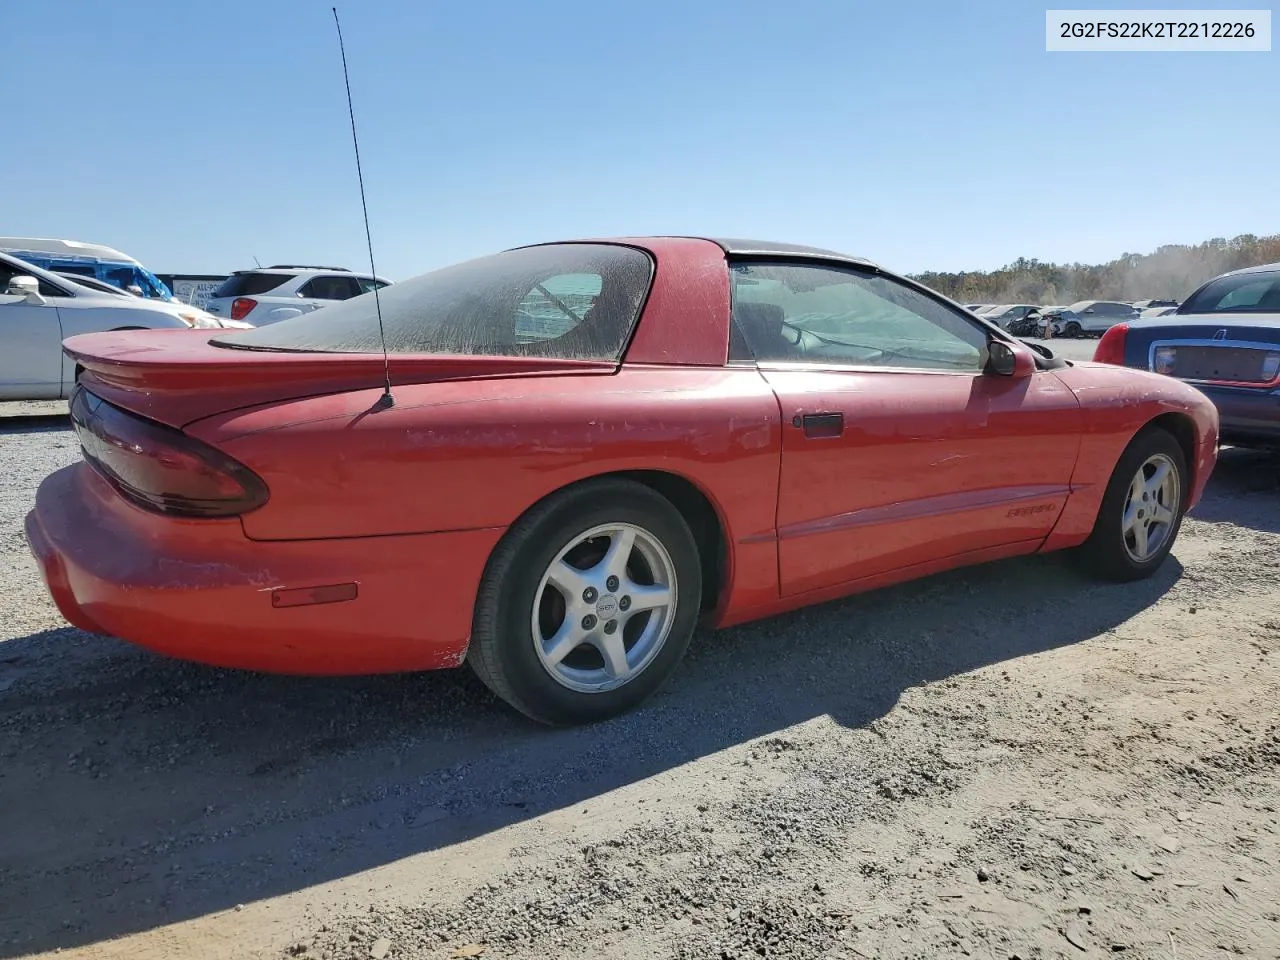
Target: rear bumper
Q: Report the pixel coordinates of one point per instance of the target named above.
(1244, 413)
(200, 590)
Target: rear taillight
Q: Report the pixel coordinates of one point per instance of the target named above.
(1111, 346)
(241, 307)
(159, 468)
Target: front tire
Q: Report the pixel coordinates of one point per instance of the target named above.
(588, 603)
(1072, 330)
(1141, 511)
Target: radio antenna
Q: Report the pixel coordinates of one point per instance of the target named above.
(386, 400)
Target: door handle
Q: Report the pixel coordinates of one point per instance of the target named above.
(818, 425)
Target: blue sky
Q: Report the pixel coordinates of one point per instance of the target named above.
(924, 135)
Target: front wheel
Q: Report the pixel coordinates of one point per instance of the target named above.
(588, 604)
(1072, 329)
(1141, 510)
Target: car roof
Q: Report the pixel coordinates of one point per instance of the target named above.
(64, 248)
(731, 247)
(290, 271)
(751, 248)
(286, 271)
(1259, 268)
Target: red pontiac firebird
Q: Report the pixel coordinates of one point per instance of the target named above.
(576, 451)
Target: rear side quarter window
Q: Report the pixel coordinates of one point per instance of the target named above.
(249, 284)
(561, 300)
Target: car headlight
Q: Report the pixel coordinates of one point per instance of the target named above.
(197, 319)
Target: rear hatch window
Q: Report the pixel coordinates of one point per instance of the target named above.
(249, 284)
(563, 300)
(1243, 293)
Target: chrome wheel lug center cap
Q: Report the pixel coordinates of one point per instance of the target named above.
(607, 607)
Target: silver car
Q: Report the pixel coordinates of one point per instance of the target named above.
(38, 310)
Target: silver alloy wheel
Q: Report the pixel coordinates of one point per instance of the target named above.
(1151, 507)
(604, 607)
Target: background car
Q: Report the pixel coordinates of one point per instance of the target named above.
(1141, 305)
(1094, 317)
(271, 294)
(685, 429)
(1225, 340)
(191, 316)
(1028, 326)
(1005, 313)
(92, 260)
(39, 309)
(1062, 320)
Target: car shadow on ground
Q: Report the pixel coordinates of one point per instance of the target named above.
(1243, 490)
(34, 422)
(140, 791)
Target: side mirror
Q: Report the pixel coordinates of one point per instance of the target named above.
(1005, 359)
(134, 289)
(27, 287)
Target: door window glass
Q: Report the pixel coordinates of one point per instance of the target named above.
(803, 313)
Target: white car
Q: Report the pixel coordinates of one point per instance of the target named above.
(271, 294)
(38, 310)
(191, 316)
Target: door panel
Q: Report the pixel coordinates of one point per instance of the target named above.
(924, 465)
(30, 350)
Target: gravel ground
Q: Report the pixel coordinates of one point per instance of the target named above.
(1003, 761)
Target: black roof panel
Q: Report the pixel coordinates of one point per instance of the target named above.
(739, 247)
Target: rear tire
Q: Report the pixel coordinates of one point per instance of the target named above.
(588, 604)
(1141, 511)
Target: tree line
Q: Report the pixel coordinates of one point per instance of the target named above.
(1171, 272)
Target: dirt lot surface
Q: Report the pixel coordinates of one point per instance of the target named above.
(1005, 761)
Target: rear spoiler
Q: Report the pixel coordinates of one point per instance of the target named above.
(177, 376)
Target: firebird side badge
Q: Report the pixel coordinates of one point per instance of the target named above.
(1029, 511)
(1221, 334)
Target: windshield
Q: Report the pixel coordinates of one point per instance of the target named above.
(565, 300)
(1243, 293)
(126, 275)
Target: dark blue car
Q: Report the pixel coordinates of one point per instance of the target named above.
(1224, 340)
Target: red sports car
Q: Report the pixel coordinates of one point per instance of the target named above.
(574, 452)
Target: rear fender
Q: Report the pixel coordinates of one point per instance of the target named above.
(478, 454)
